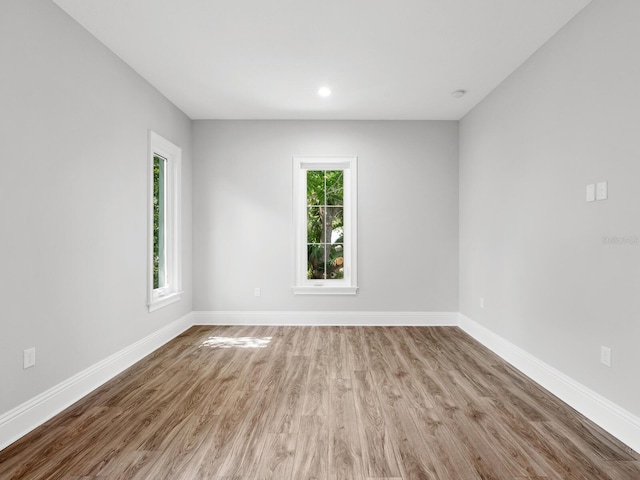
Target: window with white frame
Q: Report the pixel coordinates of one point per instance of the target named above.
(325, 205)
(165, 266)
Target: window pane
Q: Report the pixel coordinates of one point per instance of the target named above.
(335, 262)
(315, 223)
(333, 222)
(159, 257)
(315, 187)
(316, 260)
(334, 187)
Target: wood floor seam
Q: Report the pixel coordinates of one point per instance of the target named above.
(320, 403)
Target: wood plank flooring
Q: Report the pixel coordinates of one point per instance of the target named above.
(323, 403)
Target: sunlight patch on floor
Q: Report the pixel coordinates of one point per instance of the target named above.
(236, 342)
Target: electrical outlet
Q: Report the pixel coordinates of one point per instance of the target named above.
(29, 357)
(256, 291)
(605, 356)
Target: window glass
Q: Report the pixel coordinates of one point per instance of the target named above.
(159, 211)
(325, 224)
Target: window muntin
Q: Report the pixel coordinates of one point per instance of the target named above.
(326, 225)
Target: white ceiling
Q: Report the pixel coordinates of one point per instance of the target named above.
(266, 59)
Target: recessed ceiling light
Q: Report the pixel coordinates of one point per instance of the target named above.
(324, 91)
(458, 93)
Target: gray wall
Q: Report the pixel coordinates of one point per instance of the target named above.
(73, 199)
(408, 213)
(529, 243)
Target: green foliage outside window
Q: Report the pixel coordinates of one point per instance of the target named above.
(325, 224)
(158, 221)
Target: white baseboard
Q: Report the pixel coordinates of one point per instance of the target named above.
(33, 413)
(619, 422)
(326, 318)
(614, 419)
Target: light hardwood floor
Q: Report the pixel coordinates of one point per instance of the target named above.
(325, 403)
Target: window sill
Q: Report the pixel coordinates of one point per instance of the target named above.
(165, 300)
(324, 290)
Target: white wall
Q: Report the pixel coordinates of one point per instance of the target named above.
(408, 213)
(73, 199)
(529, 243)
(73, 202)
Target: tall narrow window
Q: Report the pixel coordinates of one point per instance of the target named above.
(159, 234)
(326, 225)
(165, 276)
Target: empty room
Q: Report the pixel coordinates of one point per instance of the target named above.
(347, 240)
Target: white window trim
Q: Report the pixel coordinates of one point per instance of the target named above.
(348, 285)
(161, 297)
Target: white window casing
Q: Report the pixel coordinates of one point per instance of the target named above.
(347, 285)
(171, 264)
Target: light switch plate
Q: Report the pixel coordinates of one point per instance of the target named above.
(601, 191)
(591, 192)
(29, 358)
(605, 356)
